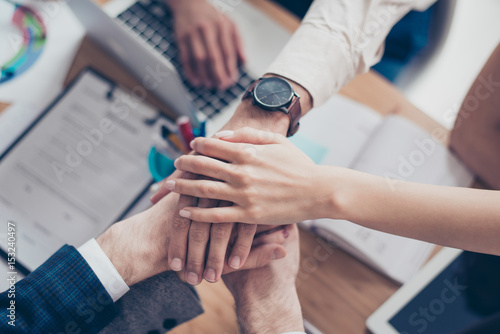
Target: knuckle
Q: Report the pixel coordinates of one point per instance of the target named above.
(246, 230)
(253, 213)
(249, 192)
(204, 27)
(198, 236)
(219, 217)
(220, 232)
(215, 261)
(179, 224)
(195, 265)
(207, 189)
(242, 248)
(176, 250)
(200, 57)
(197, 164)
(246, 179)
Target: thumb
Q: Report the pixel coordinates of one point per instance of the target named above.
(259, 257)
(250, 136)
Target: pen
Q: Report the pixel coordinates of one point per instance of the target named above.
(172, 137)
(186, 131)
(165, 148)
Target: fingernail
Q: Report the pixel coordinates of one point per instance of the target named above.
(191, 144)
(210, 275)
(235, 262)
(185, 213)
(176, 162)
(192, 278)
(170, 185)
(154, 188)
(224, 134)
(278, 254)
(176, 264)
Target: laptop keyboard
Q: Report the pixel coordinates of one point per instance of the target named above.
(153, 22)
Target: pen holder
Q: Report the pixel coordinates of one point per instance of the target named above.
(160, 165)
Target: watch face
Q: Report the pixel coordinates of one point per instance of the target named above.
(273, 92)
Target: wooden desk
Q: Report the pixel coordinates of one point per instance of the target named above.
(337, 292)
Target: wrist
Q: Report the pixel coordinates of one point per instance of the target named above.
(135, 249)
(334, 186)
(107, 241)
(278, 311)
(248, 114)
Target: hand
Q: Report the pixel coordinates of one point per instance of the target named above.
(201, 249)
(209, 44)
(137, 246)
(245, 115)
(272, 182)
(249, 115)
(266, 298)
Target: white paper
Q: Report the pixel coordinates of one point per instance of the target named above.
(400, 150)
(76, 171)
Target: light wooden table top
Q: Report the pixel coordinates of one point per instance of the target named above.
(337, 292)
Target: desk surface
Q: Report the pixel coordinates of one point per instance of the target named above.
(337, 293)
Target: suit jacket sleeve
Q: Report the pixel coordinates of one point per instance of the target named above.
(62, 295)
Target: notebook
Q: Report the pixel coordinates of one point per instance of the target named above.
(347, 134)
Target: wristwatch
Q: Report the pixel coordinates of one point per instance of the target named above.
(276, 94)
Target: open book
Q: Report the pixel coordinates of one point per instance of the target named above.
(348, 134)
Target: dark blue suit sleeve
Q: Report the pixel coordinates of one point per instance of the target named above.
(62, 296)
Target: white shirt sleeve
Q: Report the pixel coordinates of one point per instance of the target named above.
(104, 269)
(337, 40)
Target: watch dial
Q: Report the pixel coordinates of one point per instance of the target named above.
(273, 92)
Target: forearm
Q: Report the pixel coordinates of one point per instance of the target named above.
(455, 217)
(277, 312)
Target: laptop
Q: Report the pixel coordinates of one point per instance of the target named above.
(140, 35)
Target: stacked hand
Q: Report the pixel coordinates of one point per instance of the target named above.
(137, 246)
(256, 168)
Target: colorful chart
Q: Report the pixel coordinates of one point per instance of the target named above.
(34, 38)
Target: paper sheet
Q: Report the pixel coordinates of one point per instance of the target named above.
(77, 170)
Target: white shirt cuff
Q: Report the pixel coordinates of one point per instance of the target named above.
(322, 66)
(104, 269)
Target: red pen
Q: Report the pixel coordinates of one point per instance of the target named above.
(186, 131)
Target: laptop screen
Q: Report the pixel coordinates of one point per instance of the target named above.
(463, 298)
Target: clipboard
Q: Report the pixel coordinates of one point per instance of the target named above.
(90, 192)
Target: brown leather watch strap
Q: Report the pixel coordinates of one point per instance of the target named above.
(294, 112)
